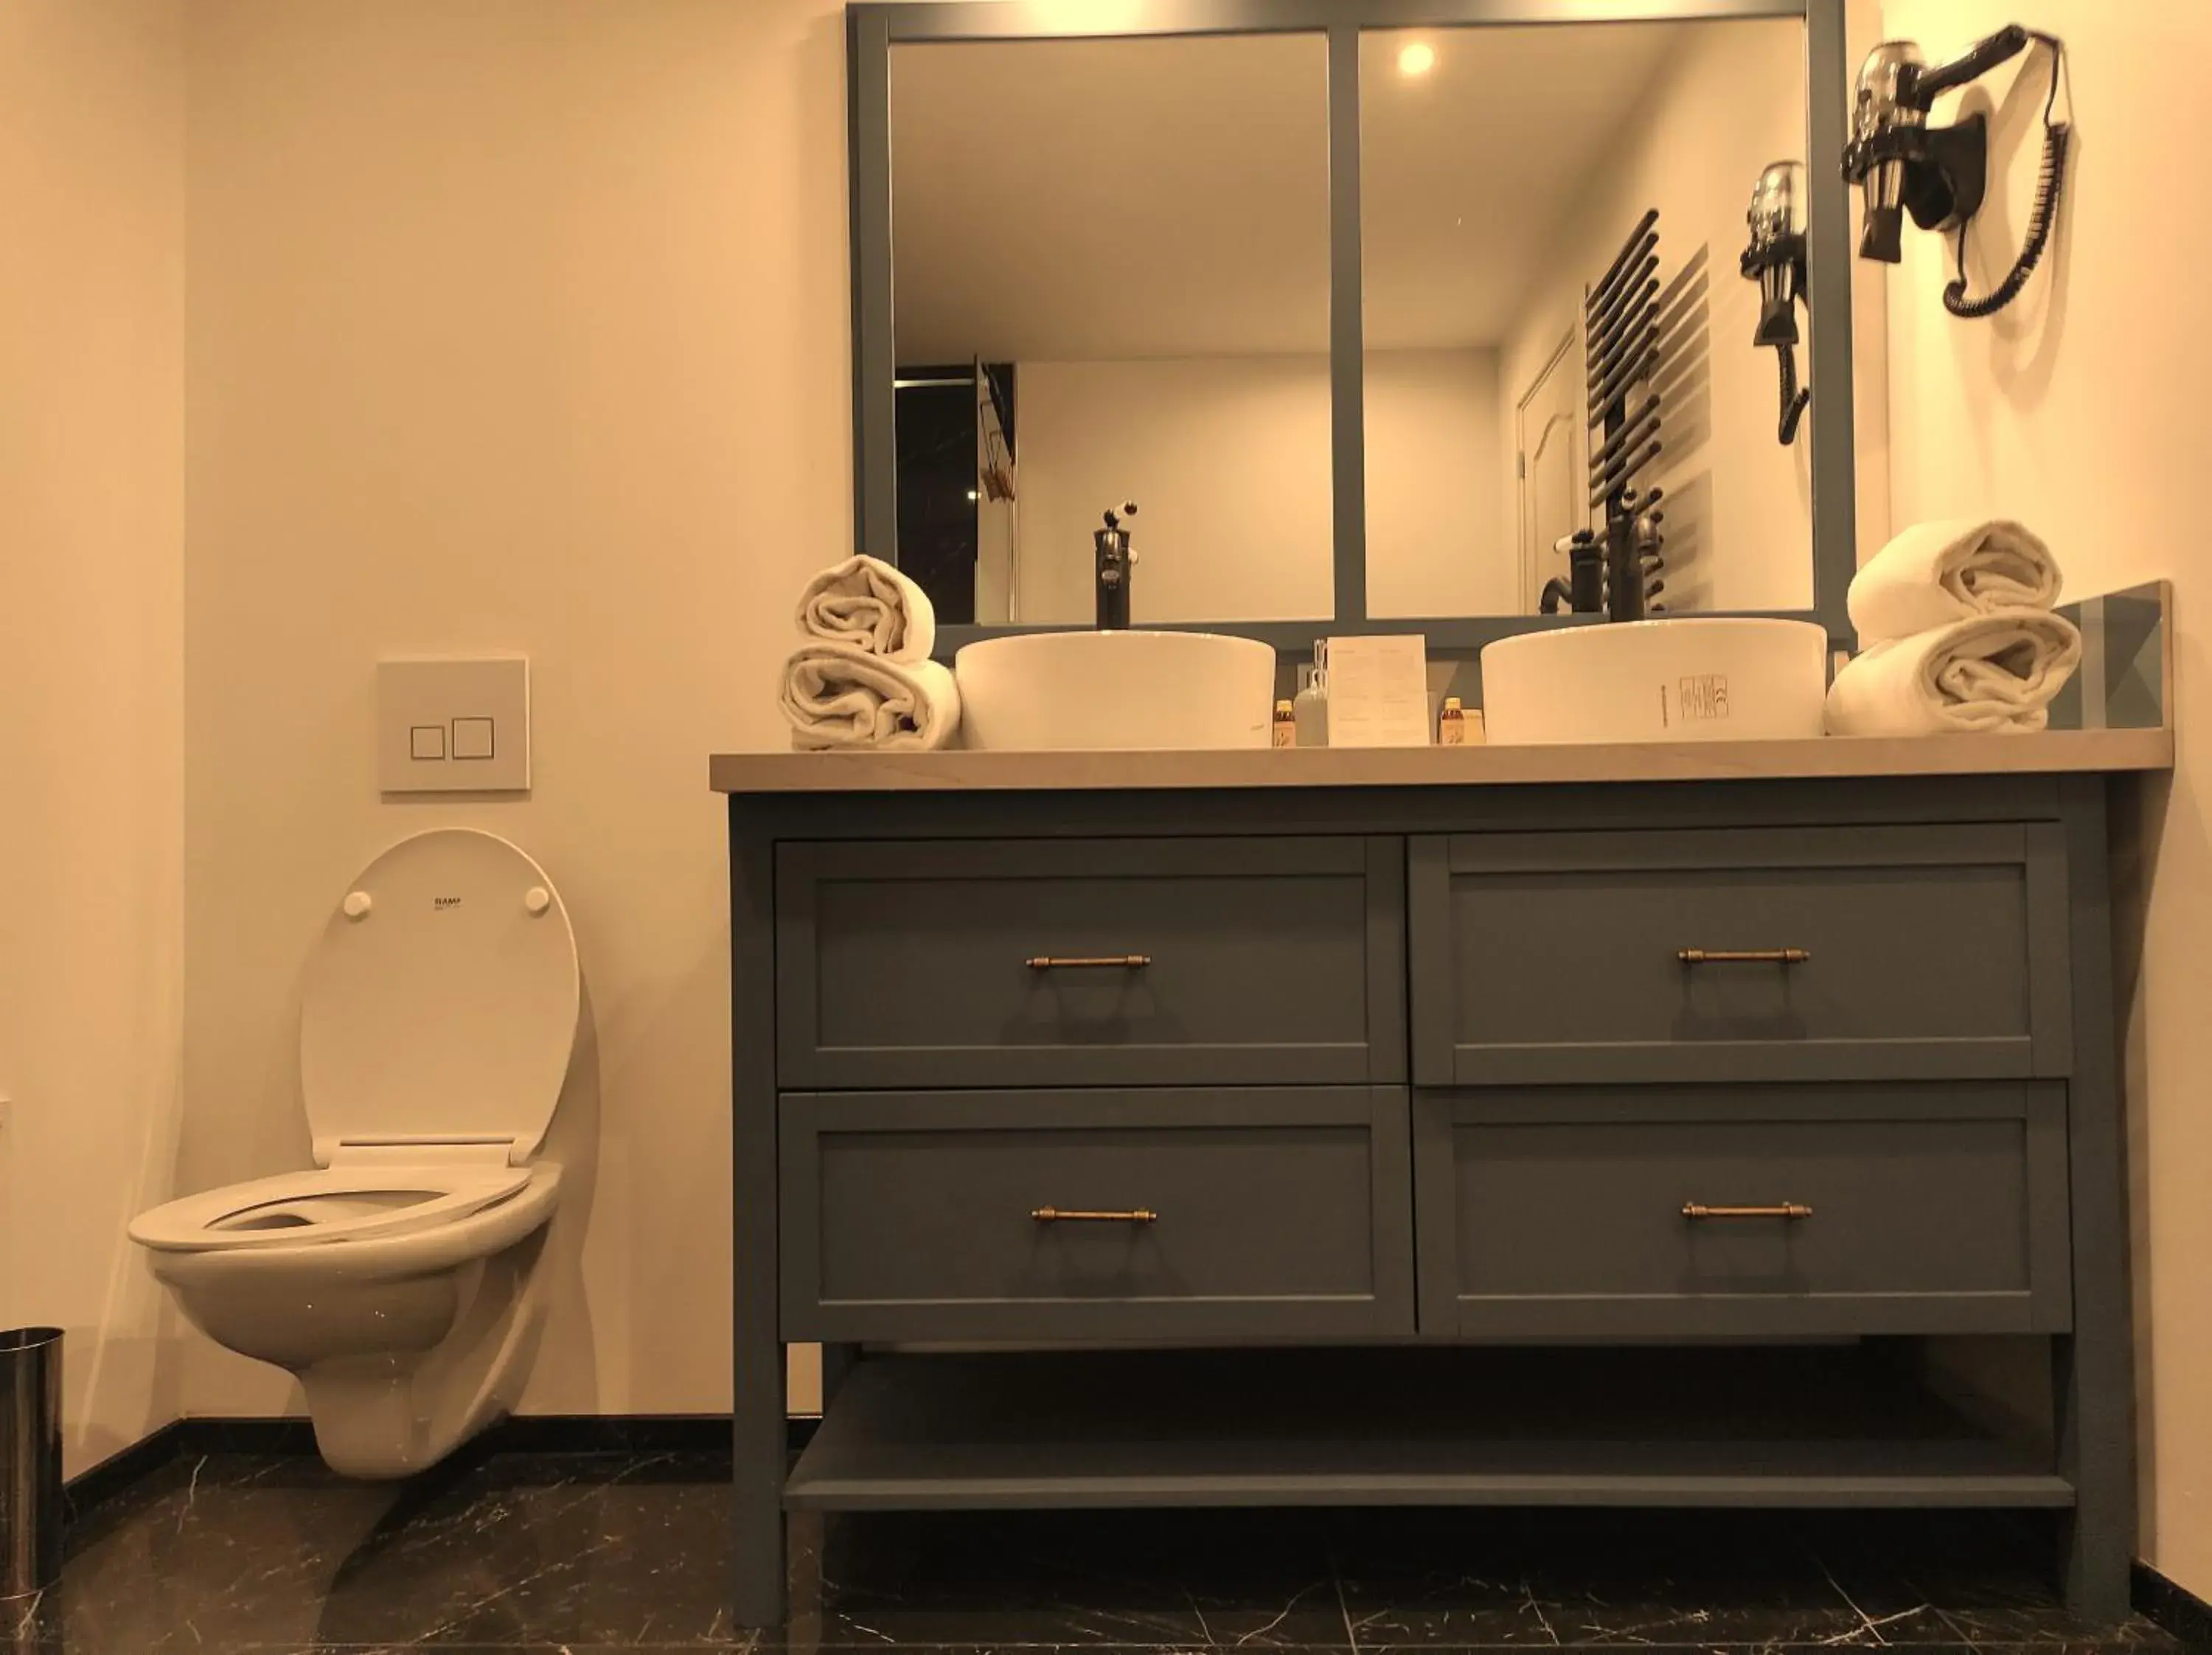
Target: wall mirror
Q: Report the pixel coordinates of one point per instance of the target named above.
(1370, 306)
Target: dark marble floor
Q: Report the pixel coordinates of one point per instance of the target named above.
(511, 1552)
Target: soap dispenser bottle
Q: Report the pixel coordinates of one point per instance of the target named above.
(1311, 707)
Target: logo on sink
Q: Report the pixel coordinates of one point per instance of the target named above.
(1705, 698)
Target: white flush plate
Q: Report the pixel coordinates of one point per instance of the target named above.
(453, 725)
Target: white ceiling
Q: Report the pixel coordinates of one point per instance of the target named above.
(1117, 199)
(1469, 172)
(1093, 200)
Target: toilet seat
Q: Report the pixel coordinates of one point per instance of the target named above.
(438, 1015)
(327, 1205)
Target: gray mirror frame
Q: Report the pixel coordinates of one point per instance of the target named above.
(872, 27)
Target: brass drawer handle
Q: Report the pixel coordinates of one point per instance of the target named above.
(1743, 956)
(1063, 1215)
(1788, 1210)
(1088, 962)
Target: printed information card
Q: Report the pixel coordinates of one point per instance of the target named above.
(1378, 692)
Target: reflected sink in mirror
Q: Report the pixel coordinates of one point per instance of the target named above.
(1115, 690)
(1726, 678)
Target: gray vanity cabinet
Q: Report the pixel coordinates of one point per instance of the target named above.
(1461, 1081)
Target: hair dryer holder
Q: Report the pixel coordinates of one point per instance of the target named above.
(1777, 323)
(1947, 168)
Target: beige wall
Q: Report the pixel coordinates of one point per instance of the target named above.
(1729, 99)
(515, 325)
(1229, 458)
(2080, 411)
(1439, 538)
(91, 640)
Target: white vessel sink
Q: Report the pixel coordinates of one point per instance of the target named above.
(1097, 690)
(1723, 680)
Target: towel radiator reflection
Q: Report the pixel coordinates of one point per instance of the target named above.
(1620, 570)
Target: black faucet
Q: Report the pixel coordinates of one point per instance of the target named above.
(1113, 563)
(1619, 571)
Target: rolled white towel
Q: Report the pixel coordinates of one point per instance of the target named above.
(1936, 573)
(834, 696)
(1995, 671)
(868, 605)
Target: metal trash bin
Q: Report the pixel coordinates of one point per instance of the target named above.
(30, 1460)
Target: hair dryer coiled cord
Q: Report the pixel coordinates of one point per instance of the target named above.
(2049, 184)
(1793, 396)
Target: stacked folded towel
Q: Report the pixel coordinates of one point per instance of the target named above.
(1956, 633)
(862, 677)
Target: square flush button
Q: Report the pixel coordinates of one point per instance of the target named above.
(472, 738)
(430, 711)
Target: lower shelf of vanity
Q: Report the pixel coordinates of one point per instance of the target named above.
(1824, 1426)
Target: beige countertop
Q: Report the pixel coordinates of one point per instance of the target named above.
(2051, 752)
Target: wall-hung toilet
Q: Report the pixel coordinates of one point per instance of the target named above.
(397, 1277)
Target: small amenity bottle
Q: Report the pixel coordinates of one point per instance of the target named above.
(1451, 724)
(1286, 725)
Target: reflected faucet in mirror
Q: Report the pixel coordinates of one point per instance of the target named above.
(1113, 564)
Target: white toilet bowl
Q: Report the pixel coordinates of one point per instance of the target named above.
(397, 1277)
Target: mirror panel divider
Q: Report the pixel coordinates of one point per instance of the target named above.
(1348, 342)
(868, 139)
(1828, 265)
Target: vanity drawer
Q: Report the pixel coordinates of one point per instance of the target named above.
(1097, 1215)
(1678, 1211)
(1932, 951)
(1090, 962)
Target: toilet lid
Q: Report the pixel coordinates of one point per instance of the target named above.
(440, 1004)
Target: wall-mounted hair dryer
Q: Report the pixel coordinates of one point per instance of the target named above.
(1776, 260)
(1939, 173)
